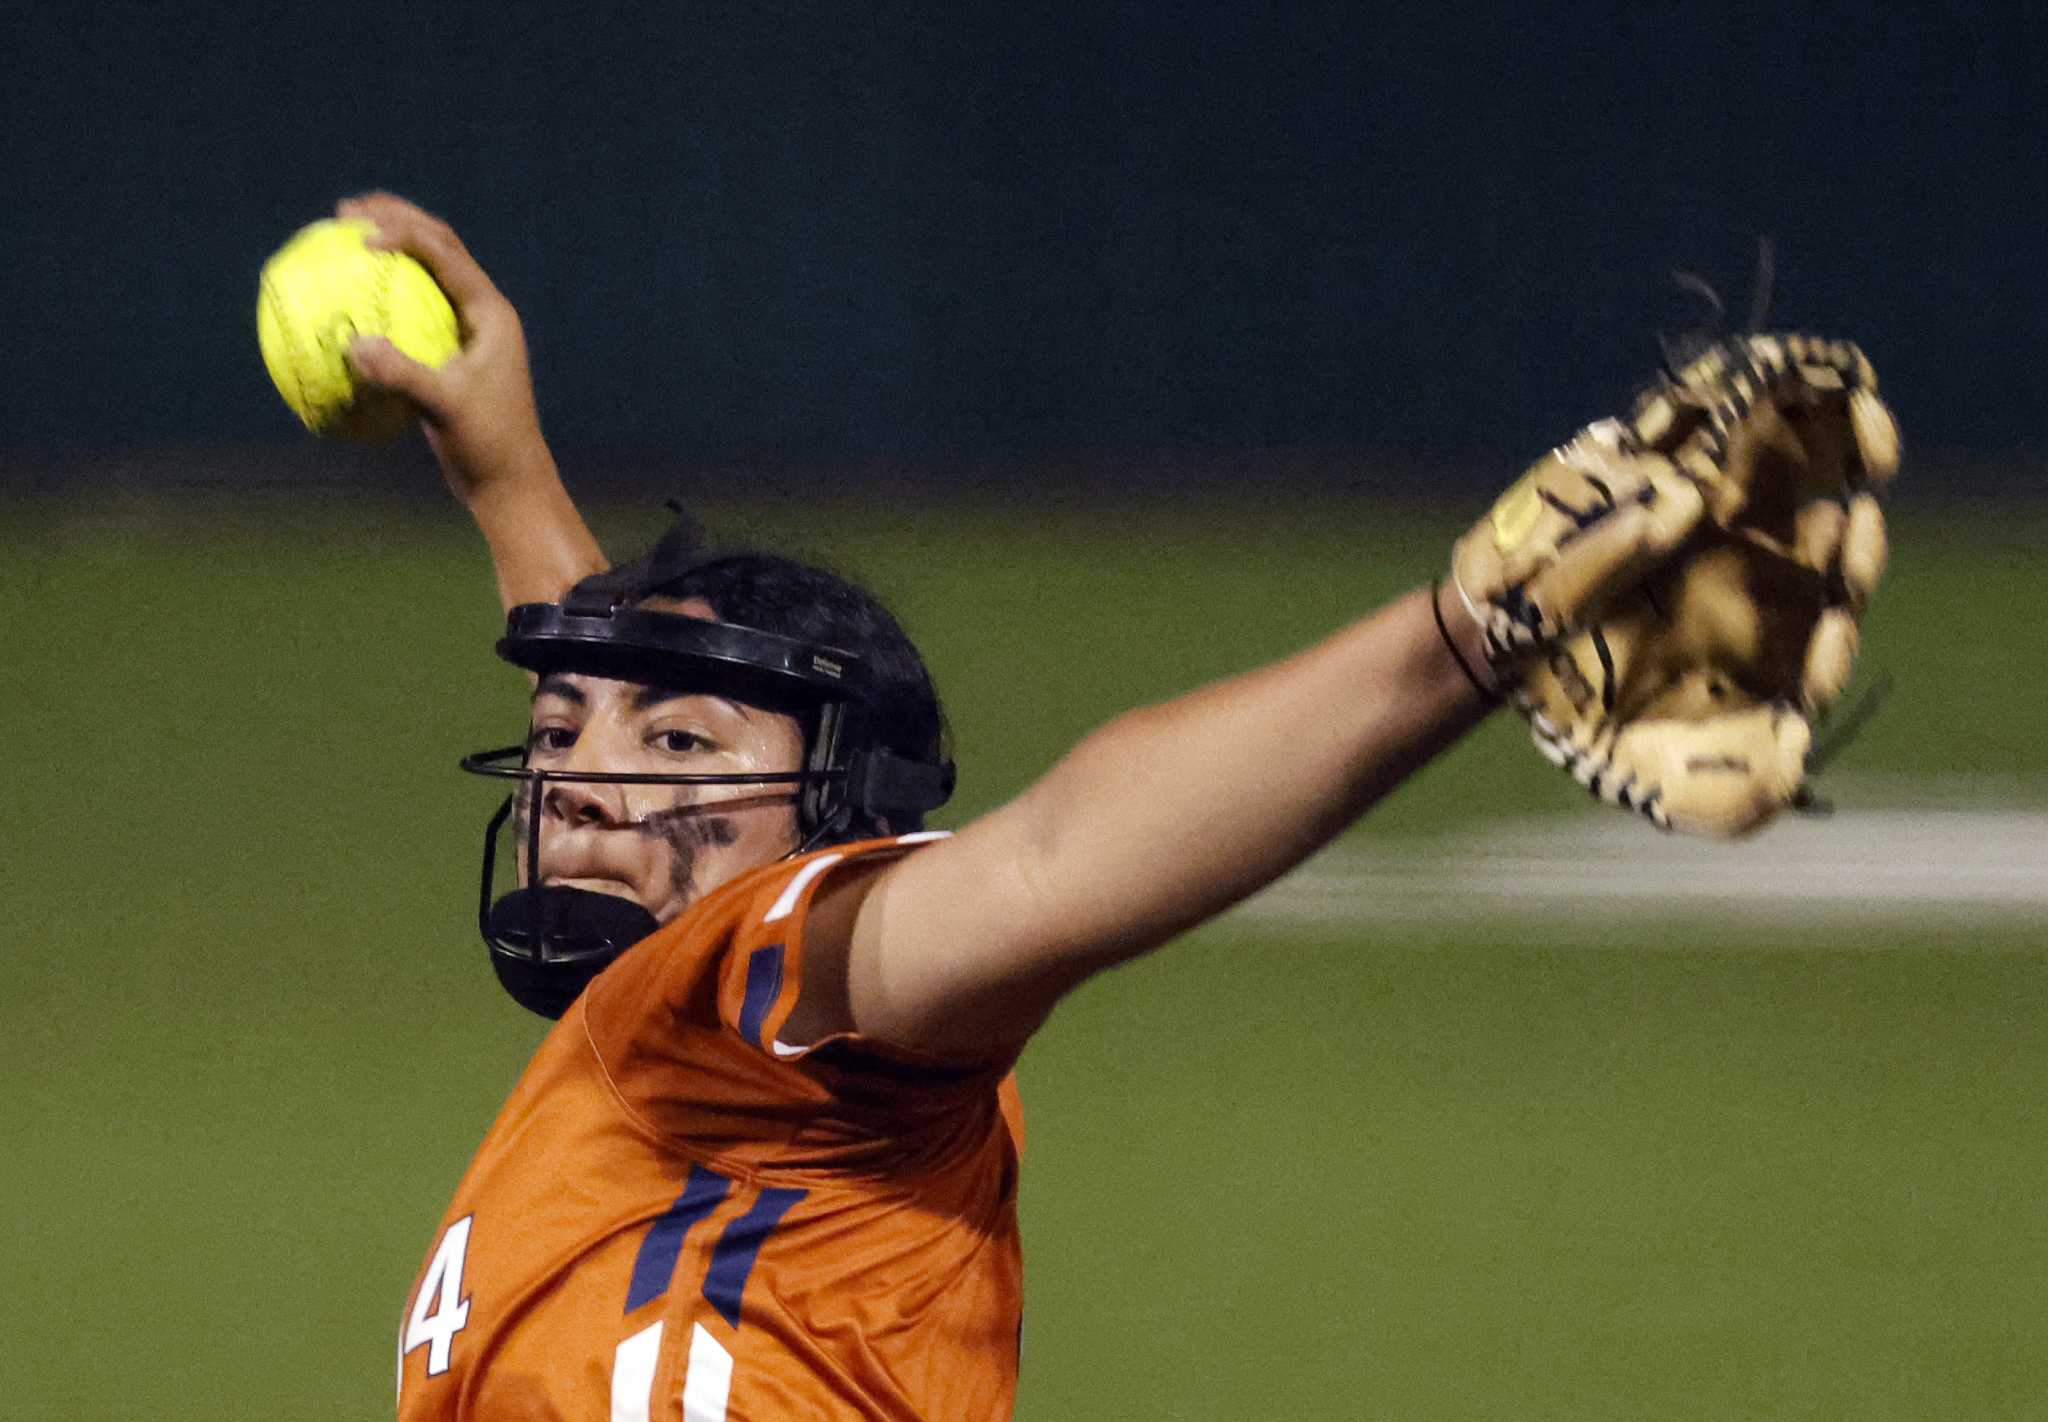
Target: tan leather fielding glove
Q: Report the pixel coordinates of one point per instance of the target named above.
(1674, 598)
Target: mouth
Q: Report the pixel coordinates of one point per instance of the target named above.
(594, 883)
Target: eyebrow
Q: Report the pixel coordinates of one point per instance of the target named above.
(644, 696)
(556, 684)
(647, 696)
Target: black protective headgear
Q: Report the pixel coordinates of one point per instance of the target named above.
(548, 941)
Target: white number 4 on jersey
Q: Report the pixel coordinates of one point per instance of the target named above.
(440, 1312)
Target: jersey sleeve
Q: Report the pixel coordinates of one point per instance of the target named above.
(761, 972)
(687, 1027)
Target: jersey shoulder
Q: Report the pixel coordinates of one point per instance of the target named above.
(688, 1027)
(747, 939)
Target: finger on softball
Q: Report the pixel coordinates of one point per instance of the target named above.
(381, 363)
(404, 226)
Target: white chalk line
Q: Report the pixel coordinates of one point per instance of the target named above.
(1885, 862)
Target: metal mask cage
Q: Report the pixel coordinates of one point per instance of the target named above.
(547, 940)
(509, 763)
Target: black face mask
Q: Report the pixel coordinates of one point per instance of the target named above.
(548, 941)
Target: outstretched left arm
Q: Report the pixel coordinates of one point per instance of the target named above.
(1157, 821)
(1170, 814)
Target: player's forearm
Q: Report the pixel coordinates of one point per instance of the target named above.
(1172, 813)
(1155, 822)
(539, 544)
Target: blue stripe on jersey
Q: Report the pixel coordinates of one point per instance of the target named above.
(655, 1267)
(764, 985)
(733, 1259)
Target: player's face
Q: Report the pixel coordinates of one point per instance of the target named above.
(662, 846)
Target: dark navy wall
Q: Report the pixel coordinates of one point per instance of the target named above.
(878, 231)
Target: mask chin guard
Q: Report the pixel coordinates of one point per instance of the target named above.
(548, 942)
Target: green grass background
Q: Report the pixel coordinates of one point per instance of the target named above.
(1673, 1170)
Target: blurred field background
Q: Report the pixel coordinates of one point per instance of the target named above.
(1122, 347)
(1656, 1165)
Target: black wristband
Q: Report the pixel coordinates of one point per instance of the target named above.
(1436, 610)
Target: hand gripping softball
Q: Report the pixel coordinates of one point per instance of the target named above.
(1674, 597)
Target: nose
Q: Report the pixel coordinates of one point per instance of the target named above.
(580, 806)
(585, 805)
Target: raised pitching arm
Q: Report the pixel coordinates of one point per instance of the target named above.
(479, 413)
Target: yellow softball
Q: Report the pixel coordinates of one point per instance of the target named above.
(319, 292)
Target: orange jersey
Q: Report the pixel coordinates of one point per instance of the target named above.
(677, 1216)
